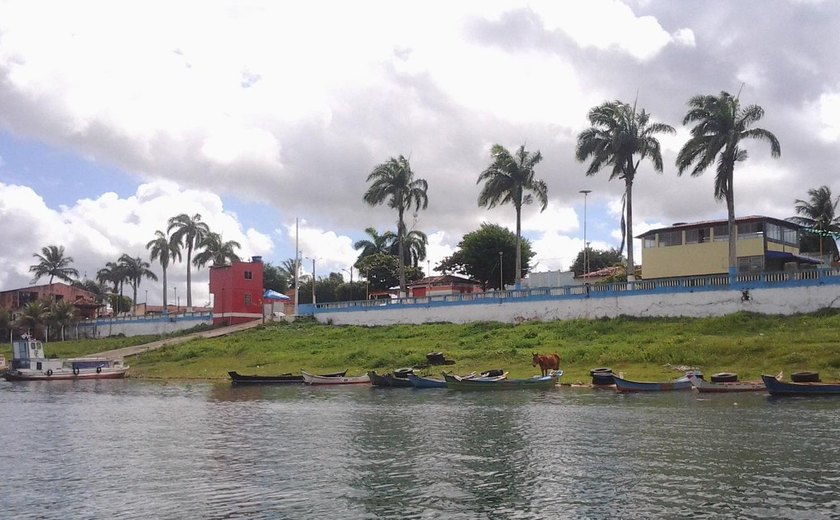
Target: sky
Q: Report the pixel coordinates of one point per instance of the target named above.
(116, 116)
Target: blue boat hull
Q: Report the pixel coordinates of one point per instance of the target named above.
(776, 387)
(425, 382)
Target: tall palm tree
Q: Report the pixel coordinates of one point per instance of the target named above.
(510, 179)
(720, 124)
(164, 250)
(135, 270)
(377, 243)
(818, 214)
(621, 138)
(114, 273)
(189, 232)
(216, 251)
(63, 314)
(53, 263)
(414, 248)
(393, 181)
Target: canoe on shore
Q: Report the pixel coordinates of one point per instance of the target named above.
(777, 387)
(703, 386)
(538, 382)
(627, 386)
(312, 379)
(430, 382)
(389, 380)
(280, 379)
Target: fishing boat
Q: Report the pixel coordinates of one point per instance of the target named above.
(538, 382)
(396, 379)
(430, 382)
(778, 387)
(29, 363)
(280, 379)
(626, 386)
(312, 379)
(713, 386)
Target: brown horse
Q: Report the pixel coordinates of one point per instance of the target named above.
(546, 362)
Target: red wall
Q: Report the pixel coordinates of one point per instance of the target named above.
(237, 292)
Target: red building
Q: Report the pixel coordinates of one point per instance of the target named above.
(237, 292)
(85, 301)
(442, 286)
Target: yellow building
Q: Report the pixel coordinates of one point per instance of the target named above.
(702, 248)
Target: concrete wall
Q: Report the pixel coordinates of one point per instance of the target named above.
(680, 301)
(140, 326)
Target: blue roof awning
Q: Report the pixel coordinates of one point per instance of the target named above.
(790, 257)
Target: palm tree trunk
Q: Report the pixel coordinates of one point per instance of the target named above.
(628, 195)
(189, 278)
(517, 280)
(400, 240)
(733, 237)
(165, 307)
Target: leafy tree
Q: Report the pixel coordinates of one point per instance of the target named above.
(63, 314)
(164, 250)
(275, 279)
(53, 263)
(135, 269)
(216, 251)
(377, 243)
(188, 232)
(598, 259)
(393, 181)
(350, 291)
(477, 256)
(621, 138)
(34, 316)
(509, 179)
(382, 272)
(98, 288)
(6, 323)
(818, 214)
(720, 124)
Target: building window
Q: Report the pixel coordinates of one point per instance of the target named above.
(791, 237)
(649, 242)
(721, 233)
(249, 275)
(247, 298)
(751, 264)
(670, 238)
(748, 230)
(696, 236)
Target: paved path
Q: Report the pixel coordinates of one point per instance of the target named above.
(139, 349)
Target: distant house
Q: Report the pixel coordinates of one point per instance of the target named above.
(83, 300)
(445, 285)
(702, 248)
(237, 292)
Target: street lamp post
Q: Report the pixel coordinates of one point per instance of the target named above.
(585, 243)
(313, 278)
(351, 281)
(177, 301)
(501, 273)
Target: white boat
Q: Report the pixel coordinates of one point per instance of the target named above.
(312, 379)
(29, 363)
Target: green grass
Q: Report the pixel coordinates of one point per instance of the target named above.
(642, 348)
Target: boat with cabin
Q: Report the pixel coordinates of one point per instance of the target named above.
(29, 363)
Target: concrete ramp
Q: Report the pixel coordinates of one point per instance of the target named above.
(139, 349)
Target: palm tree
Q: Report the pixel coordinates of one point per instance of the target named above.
(818, 214)
(394, 182)
(52, 262)
(63, 314)
(290, 268)
(216, 251)
(383, 243)
(414, 248)
(164, 250)
(5, 323)
(136, 269)
(114, 273)
(508, 179)
(720, 125)
(189, 232)
(34, 315)
(621, 138)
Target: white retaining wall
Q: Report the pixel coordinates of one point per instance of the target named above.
(142, 326)
(786, 300)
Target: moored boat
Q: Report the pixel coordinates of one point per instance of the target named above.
(776, 386)
(280, 379)
(537, 382)
(29, 363)
(703, 386)
(312, 379)
(627, 386)
(396, 379)
(430, 382)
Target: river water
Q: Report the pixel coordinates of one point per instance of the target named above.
(138, 449)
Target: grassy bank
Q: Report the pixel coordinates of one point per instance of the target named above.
(642, 348)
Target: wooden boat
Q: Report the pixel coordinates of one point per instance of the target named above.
(539, 382)
(429, 382)
(778, 387)
(312, 379)
(280, 379)
(703, 386)
(30, 364)
(389, 380)
(625, 385)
